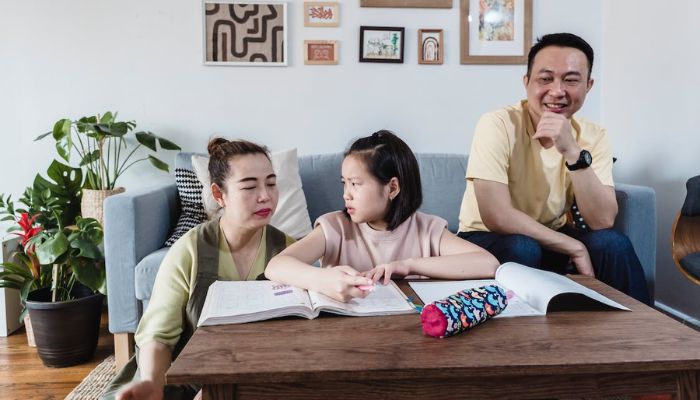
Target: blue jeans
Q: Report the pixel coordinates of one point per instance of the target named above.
(614, 260)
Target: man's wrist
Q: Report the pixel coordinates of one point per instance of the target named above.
(572, 155)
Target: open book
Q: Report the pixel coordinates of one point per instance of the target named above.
(235, 302)
(530, 291)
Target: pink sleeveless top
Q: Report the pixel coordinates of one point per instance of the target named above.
(361, 247)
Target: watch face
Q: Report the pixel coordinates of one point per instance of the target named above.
(587, 157)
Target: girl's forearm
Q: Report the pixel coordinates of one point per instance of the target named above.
(456, 266)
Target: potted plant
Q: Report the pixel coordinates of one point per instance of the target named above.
(101, 145)
(60, 273)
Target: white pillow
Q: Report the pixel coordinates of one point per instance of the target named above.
(291, 216)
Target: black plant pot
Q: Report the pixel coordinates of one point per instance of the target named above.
(65, 332)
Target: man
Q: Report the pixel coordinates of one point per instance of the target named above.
(530, 162)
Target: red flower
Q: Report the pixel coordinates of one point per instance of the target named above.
(28, 230)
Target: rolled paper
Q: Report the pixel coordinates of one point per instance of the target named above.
(462, 310)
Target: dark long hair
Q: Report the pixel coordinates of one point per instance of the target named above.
(387, 156)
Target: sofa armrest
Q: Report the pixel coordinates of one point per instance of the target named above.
(136, 224)
(636, 218)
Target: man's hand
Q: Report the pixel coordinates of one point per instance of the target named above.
(143, 390)
(396, 268)
(581, 259)
(555, 130)
(340, 283)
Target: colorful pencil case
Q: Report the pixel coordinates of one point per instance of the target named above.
(462, 310)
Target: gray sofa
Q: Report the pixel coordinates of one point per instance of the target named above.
(139, 221)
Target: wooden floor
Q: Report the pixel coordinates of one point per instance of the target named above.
(23, 376)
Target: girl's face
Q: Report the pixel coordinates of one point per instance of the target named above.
(249, 196)
(366, 199)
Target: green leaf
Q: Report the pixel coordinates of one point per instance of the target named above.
(64, 140)
(43, 135)
(52, 248)
(158, 163)
(147, 139)
(86, 248)
(90, 158)
(167, 144)
(62, 192)
(107, 118)
(91, 274)
(119, 129)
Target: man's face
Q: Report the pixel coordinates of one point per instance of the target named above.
(558, 82)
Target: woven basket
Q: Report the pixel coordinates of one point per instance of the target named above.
(91, 206)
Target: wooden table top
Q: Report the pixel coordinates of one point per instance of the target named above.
(333, 348)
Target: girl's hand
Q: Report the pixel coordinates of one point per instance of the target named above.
(340, 283)
(395, 268)
(146, 390)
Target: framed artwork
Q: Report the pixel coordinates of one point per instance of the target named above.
(320, 52)
(430, 46)
(495, 31)
(245, 33)
(321, 14)
(381, 44)
(407, 3)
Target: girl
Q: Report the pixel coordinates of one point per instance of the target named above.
(380, 234)
(235, 247)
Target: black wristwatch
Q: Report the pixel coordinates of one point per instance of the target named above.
(584, 161)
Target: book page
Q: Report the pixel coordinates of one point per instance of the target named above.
(430, 292)
(383, 300)
(538, 287)
(231, 301)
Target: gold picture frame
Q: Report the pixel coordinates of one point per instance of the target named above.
(431, 46)
(505, 41)
(407, 3)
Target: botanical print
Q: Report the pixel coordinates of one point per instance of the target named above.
(321, 14)
(247, 33)
(496, 20)
(382, 45)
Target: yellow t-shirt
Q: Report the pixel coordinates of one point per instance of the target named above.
(503, 151)
(163, 319)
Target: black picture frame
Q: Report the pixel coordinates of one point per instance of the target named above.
(381, 43)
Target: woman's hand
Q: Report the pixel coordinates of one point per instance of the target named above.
(340, 283)
(143, 390)
(395, 268)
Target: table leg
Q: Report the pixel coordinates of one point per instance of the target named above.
(688, 385)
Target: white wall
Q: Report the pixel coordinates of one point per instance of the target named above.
(143, 58)
(650, 105)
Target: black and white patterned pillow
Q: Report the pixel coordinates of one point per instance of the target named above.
(191, 207)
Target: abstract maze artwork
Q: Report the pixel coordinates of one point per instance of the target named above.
(245, 33)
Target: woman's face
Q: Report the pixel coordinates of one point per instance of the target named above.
(249, 196)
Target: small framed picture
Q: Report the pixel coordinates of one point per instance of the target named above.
(320, 52)
(244, 33)
(381, 44)
(430, 46)
(321, 14)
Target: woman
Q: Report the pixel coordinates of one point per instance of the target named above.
(237, 246)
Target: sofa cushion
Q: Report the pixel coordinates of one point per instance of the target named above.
(145, 273)
(442, 178)
(191, 209)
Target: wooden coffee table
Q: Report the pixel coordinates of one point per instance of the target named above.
(562, 355)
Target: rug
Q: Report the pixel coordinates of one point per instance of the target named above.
(92, 386)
